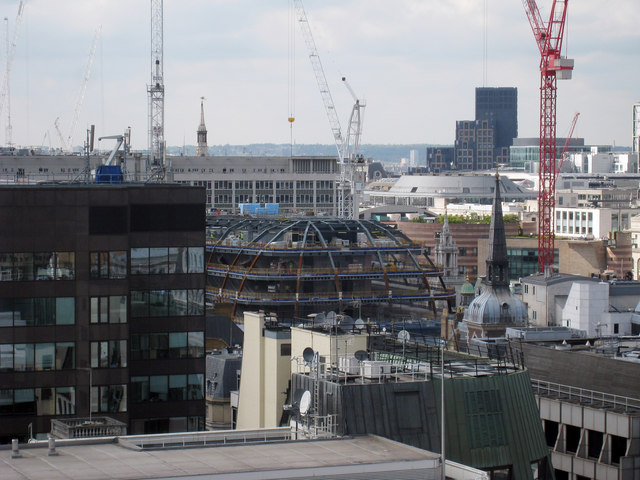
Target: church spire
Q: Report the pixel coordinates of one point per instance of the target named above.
(497, 260)
(202, 150)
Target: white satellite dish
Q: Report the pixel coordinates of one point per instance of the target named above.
(319, 319)
(404, 336)
(359, 324)
(305, 402)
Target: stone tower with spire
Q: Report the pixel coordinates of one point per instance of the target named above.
(495, 308)
(446, 255)
(202, 150)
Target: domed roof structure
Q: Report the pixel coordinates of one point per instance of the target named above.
(467, 288)
(495, 308)
(300, 266)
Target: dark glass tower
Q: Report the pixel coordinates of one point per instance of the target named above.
(499, 104)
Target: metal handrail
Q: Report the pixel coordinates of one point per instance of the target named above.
(583, 395)
(344, 296)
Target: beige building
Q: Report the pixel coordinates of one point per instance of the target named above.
(265, 373)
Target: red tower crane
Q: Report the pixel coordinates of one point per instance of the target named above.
(553, 67)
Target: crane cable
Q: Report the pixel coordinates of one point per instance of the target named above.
(291, 86)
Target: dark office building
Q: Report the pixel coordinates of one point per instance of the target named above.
(439, 159)
(483, 143)
(101, 306)
(499, 104)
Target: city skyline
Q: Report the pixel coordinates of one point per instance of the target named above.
(417, 64)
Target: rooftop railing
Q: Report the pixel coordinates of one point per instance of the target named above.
(584, 396)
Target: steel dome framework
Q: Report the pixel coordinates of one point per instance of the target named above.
(303, 265)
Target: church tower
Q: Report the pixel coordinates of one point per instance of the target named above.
(496, 309)
(447, 251)
(202, 150)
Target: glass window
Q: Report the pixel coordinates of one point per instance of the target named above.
(158, 345)
(94, 265)
(196, 344)
(178, 345)
(23, 314)
(6, 357)
(177, 303)
(44, 265)
(158, 303)
(104, 264)
(23, 266)
(178, 260)
(194, 389)
(45, 355)
(103, 354)
(118, 264)
(158, 388)
(6, 312)
(6, 268)
(139, 261)
(113, 398)
(95, 357)
(45, 401)
(65, 311)
(117, 353)
(24, 357)
(158, 260)
(118, 309)
(139, 303)
(66, 265)
(196, 259)
(24, 401)
(139, 347)
(44, 311)
(196, 302)
(177, 387)
(65, 401)
(6, 401)
(65, 356)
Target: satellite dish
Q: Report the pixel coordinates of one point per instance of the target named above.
(319, 319)
(297, 396)
(359, 323)
(308, 354)
(404, 336)
(331, 319)
(361, 355)
(305, 402)
(347, 323)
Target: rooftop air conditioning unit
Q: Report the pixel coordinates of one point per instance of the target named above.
(375, 369)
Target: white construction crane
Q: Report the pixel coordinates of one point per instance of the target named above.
(156, 88)
(5, 96)
(83, 88)
(347, 192)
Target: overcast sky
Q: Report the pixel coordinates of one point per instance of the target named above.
(415, 62)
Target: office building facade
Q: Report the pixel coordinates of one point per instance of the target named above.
(101, 306)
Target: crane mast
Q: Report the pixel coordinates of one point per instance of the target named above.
(5, 97)
(156, 87)
(553, 67)
(83, 88)
(347, 188)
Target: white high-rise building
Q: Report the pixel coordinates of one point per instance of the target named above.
(636, 128)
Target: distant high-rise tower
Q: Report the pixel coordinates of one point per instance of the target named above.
(499, 104)
(202, 150)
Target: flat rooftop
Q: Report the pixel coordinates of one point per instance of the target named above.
(365, 457)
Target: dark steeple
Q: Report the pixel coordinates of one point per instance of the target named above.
(497, 261)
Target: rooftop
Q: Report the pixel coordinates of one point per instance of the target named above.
(366, 457)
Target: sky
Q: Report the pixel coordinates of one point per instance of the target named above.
(416, 63)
